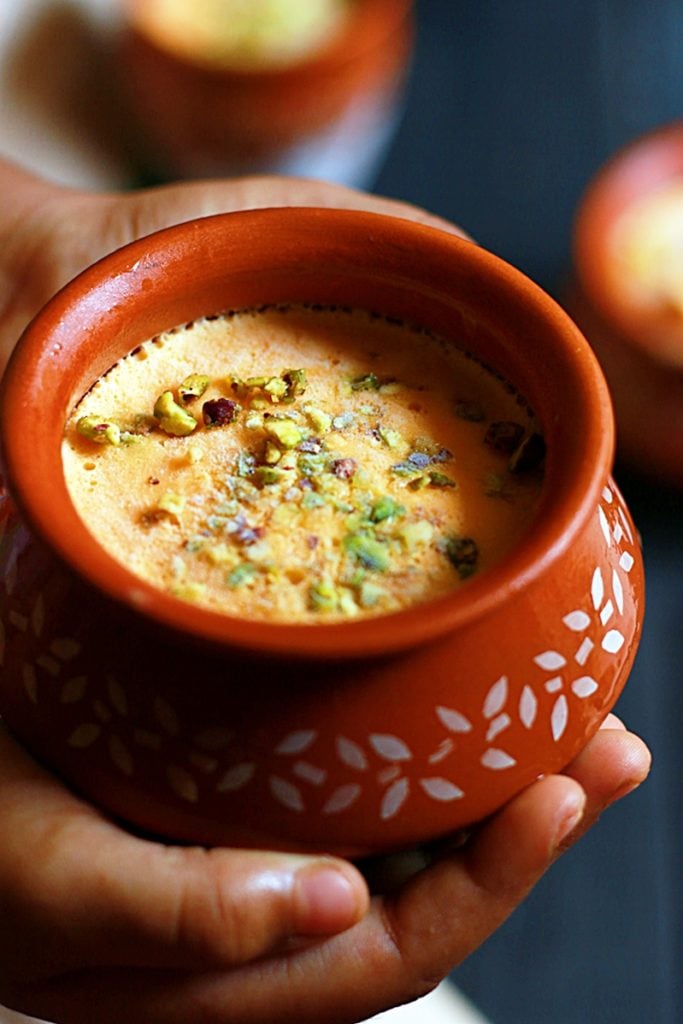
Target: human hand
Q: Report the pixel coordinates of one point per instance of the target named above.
(99, 922)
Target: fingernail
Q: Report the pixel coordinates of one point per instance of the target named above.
(571, 815)
(328, 900)
(628, 787)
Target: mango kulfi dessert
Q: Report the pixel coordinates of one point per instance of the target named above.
(303, 464)
(247, 34)
(647, 243)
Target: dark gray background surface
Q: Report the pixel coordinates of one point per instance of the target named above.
(511, 107)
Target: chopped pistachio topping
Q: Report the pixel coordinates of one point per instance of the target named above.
(463, 553)
(323, 596)
(193, 387)
(308, 494)
(241, 574)
(386, 507)
(172, 503)
(173, 419)
(365, 382)
(319, 419)
(391, 438)
(440, 479)
(372, 553)
(99, 431)
(285, 432)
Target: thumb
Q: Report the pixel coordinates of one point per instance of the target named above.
(79, 891)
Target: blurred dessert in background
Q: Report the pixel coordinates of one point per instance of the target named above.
(224, 87)
(627, 294)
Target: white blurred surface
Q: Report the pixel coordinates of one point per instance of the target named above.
(443, 1006)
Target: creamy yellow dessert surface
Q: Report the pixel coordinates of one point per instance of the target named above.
(303, 464)
(244, 33)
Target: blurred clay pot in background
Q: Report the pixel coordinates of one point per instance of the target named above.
(360, 736)
(627, 294)
(327, 113)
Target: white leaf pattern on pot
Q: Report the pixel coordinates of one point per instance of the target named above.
(577, 621)
(342, 798)
(296, 742)
(391, 748)
(441, 789)
(505, 703)
(583, 687)
(559, 717)
(528, 706)
(236, 777)
(550, 660)
(286, 793)
(351, 754)
(453, 720)
(497, 759)
(494, 700)
(394, 798)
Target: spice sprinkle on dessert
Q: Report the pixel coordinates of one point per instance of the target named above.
(303, 464)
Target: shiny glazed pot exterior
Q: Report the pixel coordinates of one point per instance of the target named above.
(357, 737)
(200, 120)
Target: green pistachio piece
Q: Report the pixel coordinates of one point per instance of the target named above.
(370, 594)
(391, 438)
(266, 476)
(276, 387)
(296, 382)
(253, 421)
(98, 430)
(285, 432)
(245, 464)
(219, 554)
(437, 479)
(128, 437)
(241, 574)
(418, 483)
(368, 550)
(347, 602)
(178, 567)
(463, 553)
(192, 387)
(386, 507)
(173, 419)
(272, 454)
(312, 499)
(172, 503)
(319, 420)
(189, 591)
(365, 382)
(285, 514)
(311, 464)
(323, 596)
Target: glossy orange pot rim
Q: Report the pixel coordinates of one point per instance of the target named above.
(32, 419)
(365, 27)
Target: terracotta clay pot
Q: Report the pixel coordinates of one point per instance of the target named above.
(360, 736)
(196, 119)
(640, 346)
